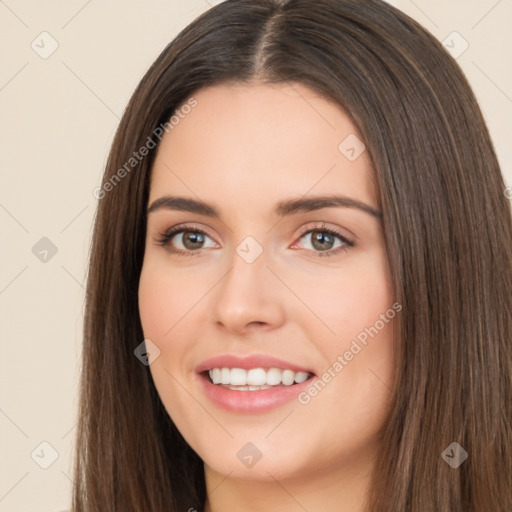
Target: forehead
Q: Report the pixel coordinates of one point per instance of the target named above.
(253, 144)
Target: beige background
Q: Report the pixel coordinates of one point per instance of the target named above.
(58, 118)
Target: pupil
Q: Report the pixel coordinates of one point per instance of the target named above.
(194, 238)
(322, 237)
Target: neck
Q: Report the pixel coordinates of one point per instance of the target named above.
(332, 491)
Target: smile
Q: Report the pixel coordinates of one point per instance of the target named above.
(253, 383)
(255, 379)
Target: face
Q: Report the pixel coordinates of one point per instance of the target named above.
(265, 286)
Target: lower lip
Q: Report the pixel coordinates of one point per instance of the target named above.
(251, 401)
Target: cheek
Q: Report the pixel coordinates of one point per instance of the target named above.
(152, 297)
(346, 300)
(357, 306)
(165, 297)
(164, 301)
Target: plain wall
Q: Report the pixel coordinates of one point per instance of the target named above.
(59, 115)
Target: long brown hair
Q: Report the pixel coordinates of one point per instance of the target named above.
(448, 231)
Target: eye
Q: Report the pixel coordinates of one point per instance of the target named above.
(323, 241)
(190, 240)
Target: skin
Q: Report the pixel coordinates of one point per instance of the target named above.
(244, 148)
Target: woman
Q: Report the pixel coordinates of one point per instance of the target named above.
(339, 338)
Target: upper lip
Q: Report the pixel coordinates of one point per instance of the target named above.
(247, 362)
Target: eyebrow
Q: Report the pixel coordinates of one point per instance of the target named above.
(282, 208)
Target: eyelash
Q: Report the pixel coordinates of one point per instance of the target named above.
(165, 237)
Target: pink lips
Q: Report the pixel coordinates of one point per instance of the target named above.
(249, 401)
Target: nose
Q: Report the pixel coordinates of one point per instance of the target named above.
(249, 297)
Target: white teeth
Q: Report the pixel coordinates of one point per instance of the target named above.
(273, 377)
(215, 375)
(301, 377)
(247, 388)
(255, 378)
(238, 377)
(288, 377)
(225, 377)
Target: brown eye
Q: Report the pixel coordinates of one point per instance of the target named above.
(323, 241)
(192, 239)
(186, 241)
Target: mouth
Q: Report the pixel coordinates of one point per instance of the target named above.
(253, 383)
(255, 379)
